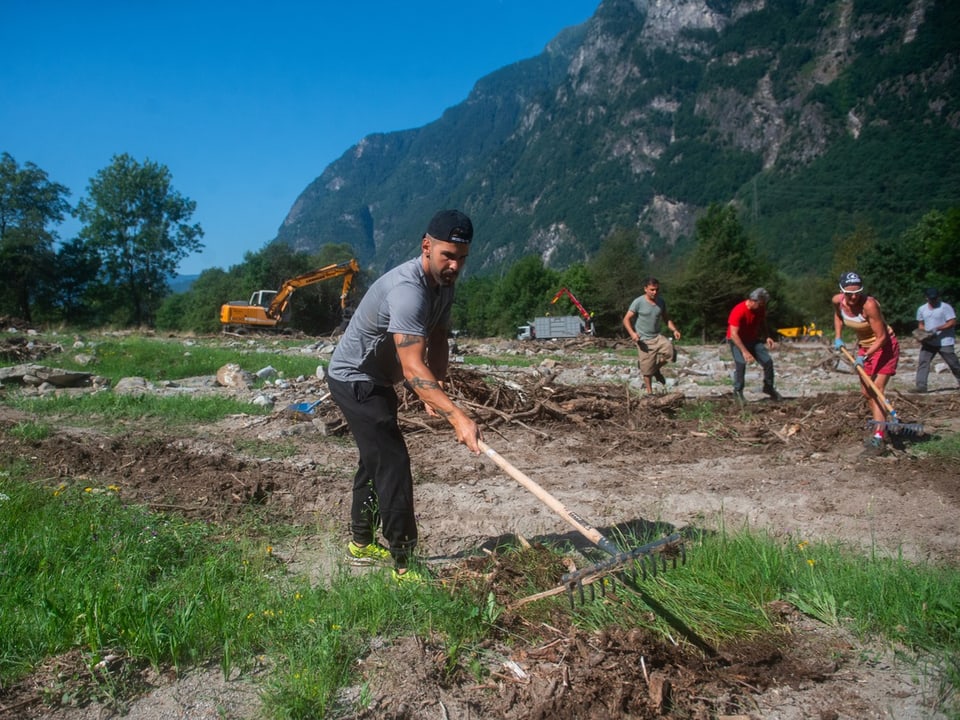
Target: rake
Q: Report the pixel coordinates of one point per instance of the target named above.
(630, 567)
(894, 425)
(627, 565)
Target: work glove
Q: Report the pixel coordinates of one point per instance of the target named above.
(860, 359)
(837, 344)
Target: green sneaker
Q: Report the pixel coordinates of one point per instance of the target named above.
(409, 577)
(367, 554)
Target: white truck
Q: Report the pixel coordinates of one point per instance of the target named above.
(547, 328)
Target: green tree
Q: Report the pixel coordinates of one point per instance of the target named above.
(938, 236)
(616, 278)
(848, 250)
(474, 311)
(198, 309)
(72, 292)
(524, 293)
(29, 203)
(723, 268)
(897, 270)
(891, 274)
(140, 227)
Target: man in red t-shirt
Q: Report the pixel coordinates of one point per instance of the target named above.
(749, 341)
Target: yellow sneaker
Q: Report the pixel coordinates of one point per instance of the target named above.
(409, 577)
(367, 554)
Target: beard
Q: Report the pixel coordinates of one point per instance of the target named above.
(447, 277)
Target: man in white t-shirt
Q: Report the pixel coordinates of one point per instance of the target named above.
(937, 324)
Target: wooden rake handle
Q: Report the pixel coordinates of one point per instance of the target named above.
(581, 525)
(870, 383)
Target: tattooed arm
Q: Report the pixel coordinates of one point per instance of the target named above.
(411, 349)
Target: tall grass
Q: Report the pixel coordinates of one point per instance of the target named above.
(82, 570)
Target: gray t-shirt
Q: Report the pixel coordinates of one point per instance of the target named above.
(400, 301)
(647, 321)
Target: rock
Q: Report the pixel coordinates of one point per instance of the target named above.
(133, 386)
(37, 374)
(233, 376)
(263, 401)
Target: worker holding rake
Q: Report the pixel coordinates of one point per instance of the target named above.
(399, 333)
(878, 351)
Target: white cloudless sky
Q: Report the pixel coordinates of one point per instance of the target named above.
(244, 102)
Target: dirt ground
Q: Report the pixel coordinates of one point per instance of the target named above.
(687, 457)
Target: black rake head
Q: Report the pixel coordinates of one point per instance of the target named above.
(896, 427)
(629, 568)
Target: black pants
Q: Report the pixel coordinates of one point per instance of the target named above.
(383, 484)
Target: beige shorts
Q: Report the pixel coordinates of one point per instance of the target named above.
(654, 354)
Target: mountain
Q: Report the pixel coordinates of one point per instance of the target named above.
(816, 116)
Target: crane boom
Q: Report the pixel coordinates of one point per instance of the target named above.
(583, 311)
(587, 317)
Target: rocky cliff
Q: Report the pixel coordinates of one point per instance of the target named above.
(815, 116)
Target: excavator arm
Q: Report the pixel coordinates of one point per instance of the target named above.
(281, 300)
(267, 308)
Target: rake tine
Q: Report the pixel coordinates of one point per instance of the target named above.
(897, 428)
(894, 424)
(625, 566)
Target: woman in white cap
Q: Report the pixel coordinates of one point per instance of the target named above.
(878, 351)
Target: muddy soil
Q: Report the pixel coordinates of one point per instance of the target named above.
(688, 457)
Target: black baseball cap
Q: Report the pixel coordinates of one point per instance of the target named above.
(850, 278)
(931, 293)
(451, 226)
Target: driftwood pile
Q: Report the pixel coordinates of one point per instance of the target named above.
(22, 349)
(529, 401)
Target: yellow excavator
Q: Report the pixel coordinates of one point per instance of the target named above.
(807, 332)
(270, 309)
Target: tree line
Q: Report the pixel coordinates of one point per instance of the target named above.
(135, 231)
(136, 228)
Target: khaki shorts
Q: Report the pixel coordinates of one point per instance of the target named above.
(654, 354)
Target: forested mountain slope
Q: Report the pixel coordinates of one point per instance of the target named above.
(817, 116)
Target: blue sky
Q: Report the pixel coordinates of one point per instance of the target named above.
(244, 102)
